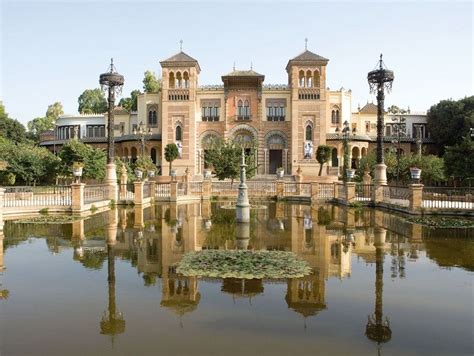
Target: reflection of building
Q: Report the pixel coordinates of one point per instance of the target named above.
(242, 288)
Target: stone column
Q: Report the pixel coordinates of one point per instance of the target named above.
(280, 188)
(314, 192)
(350, 192)
(123, 183)
(377, 196)
(416, 197)
(2, 196)
(77, 197)
(111, 229)
(265, 161)
(174, 191)
(111, 181)
(299, 180)
(206, 189)
(285, 161)
(138, 193)
(152, 184)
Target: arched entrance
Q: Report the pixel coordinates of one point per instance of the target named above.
(276, 146)
(334, 159)
(355, 157)
(153, 155)
(134, 154)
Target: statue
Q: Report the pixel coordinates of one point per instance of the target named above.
(308, 150)
(180, 148)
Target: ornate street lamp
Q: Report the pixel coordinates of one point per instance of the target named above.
(112, 82)
(380, 79)
(142, 134)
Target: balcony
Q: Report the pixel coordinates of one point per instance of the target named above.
(243, 118)
(275, 118)
(178, 94)
(309, 94)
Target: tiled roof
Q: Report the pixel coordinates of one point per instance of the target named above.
(243, 73)
(180, 57)
(369, 108)
(309, 56)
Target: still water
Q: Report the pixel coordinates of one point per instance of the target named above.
(107, 285)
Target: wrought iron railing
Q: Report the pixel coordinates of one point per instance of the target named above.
(326, 190)
(95, 192)
(364, 192)
(162, 190)
(448, 198)
(396, 195)
(37, 196)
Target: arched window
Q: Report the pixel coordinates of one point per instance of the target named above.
(178, 133)
(309, 80)
(316, 79)
(179, 80)
(246, 109)
(240, 112)
(333, 117)
(301, 79)
(171, 80)
(334, 159)
(153, 155)
(309, 133)
(186, 79)
(337, 116)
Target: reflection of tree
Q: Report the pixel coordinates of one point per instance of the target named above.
(149, 278)
(324, 216)
(112, 322)
(93, 259)
(452, 252)
(246, 288)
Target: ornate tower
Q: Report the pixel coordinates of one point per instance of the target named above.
(179, 84)
(307, 81)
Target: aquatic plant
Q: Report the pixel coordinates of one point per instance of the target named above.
(442, 222)
(243, 264)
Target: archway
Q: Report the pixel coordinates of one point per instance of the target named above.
(153, 155)
(276, 144)
(355, 157)
(363, 152)
(134, 154)
(334, 159)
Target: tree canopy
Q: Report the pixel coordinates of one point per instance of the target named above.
(449, 121)
(151, 84)
(225, 157)
(130, 103)
(55, 110)
(94, 159)
(459, 159)
(92, 101)
(11, 128)
(323, 154)
(171, 153)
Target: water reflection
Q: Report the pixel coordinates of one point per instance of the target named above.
(328, 238)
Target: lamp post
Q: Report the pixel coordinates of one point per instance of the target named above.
(345, 142)
(380, 79)
(142, 133)
(399, 124)
(112, 82)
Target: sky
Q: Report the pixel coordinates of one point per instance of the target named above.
(53, 51)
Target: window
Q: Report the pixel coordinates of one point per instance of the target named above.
(178, 133)
(95, 130)
(309, 133)
(367, 127)
(152, 117)
(243, 110)
(246, 109)
(210, 113)
(275, 109)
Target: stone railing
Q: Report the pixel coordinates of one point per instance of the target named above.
(396, 195)
(38, 196)
(95, 192)
(448, 198)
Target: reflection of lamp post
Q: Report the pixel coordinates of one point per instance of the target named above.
(399, 124)
(142, 134)
(112, 322)
(379, 79)
(345, 142)
(112, 82)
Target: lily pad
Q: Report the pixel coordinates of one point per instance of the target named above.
(243, 264)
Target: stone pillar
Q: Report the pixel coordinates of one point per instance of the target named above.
(280, 188)
(377, 196)
(314, 191)
(139, 221)
(187, 182)
(111, 181)
(2, 196)
(206, 189)
(366, 179)
(336, 190)
(299, 180)
(77, 197)
(285, 161)
(416, 197)
(123, 183)
(350, 192)
(265, 161)
(78, 230)
(152, 184)
(138, 187)
(380, 174)
(174, 191)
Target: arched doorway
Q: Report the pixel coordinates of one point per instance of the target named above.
(276, 145)
(153, 155)
(355, 157)
(134, 154)
(334, 159)
(125, 154)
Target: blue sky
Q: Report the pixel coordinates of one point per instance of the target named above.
(52, 51)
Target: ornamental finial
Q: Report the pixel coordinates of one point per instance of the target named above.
(181, 45)
(306, 44)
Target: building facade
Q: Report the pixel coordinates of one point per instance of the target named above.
(286, 122)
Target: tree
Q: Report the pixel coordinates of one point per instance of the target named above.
(226, 157)
(41, 124)
(171, 153)
(323, 154)
(459, 159)
(130, 103)
(54, 111)
(94, 159)
(92, 101)
(10, 128)
(150, 83)
(449, 121)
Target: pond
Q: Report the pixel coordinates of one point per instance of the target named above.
(107, 285)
